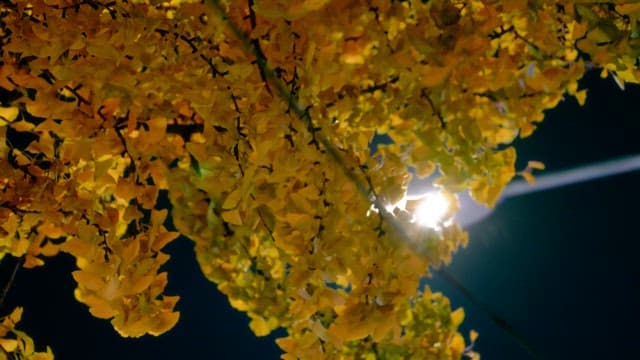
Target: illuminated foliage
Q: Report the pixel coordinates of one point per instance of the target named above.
(257, 118)
(15, 344)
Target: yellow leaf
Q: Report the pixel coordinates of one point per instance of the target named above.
(570, 54)
(158, 216)
(198, 138)
(130, 250)
(164, 322)
(526, 130)
(533, 164)
(130, 326)
(164, 238)
(158, 173)
(157, 130)
(31, 261)
(20, 157)
(299, 220)
(101, 308)
(434, 75)
(528, 177)
(487, 190)
(169, 302)
(15, 315)
(259, 326)
(232, 200)
(473, 335)
(88, 280)
(504, 135)
(126, 189)
(77, 247)
(140, 284)
(50, 230)
(232, 217)
(457, 316)
(457, 345)
(43, 355)
(239, 304)
(9, 345)
(8, 114)
(27, 342)
(581, 96)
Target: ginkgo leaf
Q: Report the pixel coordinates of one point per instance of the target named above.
(126, 189)
(535, 165)
(457, 345)
(232, 217)
(433, 76)
(14, 317)
(259, 326)
(25, 342)
(164, 238)
(158, 216)
(20, 157)
(90, 281)
(299, 219)
(8, 114)
(528, 177)
(32, 261)
(8, 345)
(140, 284)
(457, 316)
(231, 201)
(101, 309)
(473, 336)
(130, 250)
(164, 322)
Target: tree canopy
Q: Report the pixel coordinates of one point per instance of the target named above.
(256, 119)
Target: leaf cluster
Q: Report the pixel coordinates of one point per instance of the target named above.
(257, 119)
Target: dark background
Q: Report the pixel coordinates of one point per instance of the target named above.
(559, 266)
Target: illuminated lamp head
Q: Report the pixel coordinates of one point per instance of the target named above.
(430, 210)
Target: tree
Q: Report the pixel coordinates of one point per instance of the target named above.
(256, 120)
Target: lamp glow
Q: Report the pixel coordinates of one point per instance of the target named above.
(431, 210)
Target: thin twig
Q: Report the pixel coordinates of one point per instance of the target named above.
(7, 286)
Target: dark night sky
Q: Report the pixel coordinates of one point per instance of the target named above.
(559, 266)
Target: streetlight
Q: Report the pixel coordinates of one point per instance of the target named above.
(431, 208)
(434, 206)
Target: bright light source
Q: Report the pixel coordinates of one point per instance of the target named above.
(431, 209)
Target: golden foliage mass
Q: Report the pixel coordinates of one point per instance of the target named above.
(15, 344)
(257, 119)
